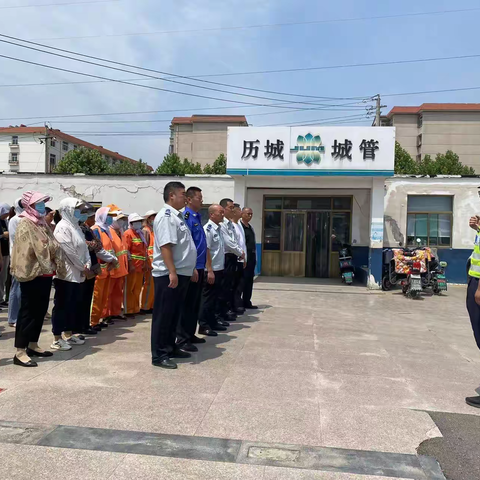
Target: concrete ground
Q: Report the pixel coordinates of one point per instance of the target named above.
(343, 376)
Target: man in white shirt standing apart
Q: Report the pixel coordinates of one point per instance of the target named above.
(242, 263)
(174, 259)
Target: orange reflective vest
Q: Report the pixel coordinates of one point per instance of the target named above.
(137, 249)
(151, 242)
(121, 253)
(107, 245)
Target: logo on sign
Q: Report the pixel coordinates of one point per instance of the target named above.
(308, 149)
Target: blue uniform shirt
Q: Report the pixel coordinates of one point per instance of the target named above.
(194, 222)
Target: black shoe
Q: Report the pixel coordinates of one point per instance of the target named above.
(4, 304)
(196, 339)
(179, 353)
(219, 328)
(251, 307)
(90, 331)
(165, 363)
(188, 347)
(146, 312)
(130, 315)
(97, 328)
(473, 401)
(109, 322)
(208, 332)
(231, 313)
(119, 317)
(239, 311)
(223, 323)
(33, 353)
(103, 324)
(18, 362)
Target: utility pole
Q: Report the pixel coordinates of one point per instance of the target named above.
(378, 109)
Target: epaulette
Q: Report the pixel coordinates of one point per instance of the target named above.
(187, 215)
(167, 212)
(209, 227)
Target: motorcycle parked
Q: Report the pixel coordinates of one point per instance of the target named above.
(413, 284)
(347, 270)
(438, 279)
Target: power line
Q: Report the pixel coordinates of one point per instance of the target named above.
(151, 70)
(269, 25)
(146, 86)
(58, 4)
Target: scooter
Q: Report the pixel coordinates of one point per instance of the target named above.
(412, 285)
(347, 270)
(438, 278)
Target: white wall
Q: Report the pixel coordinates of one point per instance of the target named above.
(131, 194)
(466, 202)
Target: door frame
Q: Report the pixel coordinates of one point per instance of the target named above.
(288, 254)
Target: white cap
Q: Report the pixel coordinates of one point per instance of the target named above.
(134, 217)
(150, 213)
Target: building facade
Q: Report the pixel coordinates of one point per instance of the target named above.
(202, 138)
(434, 128)
(40, 149)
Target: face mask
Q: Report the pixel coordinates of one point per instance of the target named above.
(122, 223)
(77, 214)
(137, 225)
(83, 217)
(40, 208)
(109, 221)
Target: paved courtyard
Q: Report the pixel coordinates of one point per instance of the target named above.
(323, 382)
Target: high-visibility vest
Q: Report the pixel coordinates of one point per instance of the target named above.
(107, 245)
(137, 249)
(121, 253)
(475, 258)
(151, 242)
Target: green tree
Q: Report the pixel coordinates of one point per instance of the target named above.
(404, 163)
(128, 168)
(444, 164)
(219, 166)
(83, 160)
(171, 165)
(190, 168)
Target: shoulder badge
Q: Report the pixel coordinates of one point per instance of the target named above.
(167, 212)
(187, 215)
(209, 227)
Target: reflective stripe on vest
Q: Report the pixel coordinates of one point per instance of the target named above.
(138, 257)
(475, 262)
(122, 252)
(137, 240)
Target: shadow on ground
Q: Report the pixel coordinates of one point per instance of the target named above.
(458, 451)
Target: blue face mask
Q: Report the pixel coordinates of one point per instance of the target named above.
(83, 217)
(109, 221)
(40, 208)
(77, 214)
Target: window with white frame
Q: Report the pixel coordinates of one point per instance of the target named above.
(429, 220)
(65, 146)
(75, 147)
(53, 143)
(15, 140)
(53, 161)
(14, 157)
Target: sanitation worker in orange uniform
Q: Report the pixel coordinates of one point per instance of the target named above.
(148, 288)
(137, 266)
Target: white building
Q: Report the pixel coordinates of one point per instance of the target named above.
(40, 149)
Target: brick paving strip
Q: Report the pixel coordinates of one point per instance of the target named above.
(360, 462)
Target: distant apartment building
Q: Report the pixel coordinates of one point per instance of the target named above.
(40, 149)
(435, 128)
(202, 138)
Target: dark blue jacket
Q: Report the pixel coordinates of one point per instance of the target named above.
(194, 222)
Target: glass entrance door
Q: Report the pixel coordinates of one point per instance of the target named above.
(318, 245)
(293, 261)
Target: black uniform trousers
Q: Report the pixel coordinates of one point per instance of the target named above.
(66, 310)
(82, 323)
(248, 276)
(167, 312)
(238, 302)
(230, 280)
(473, 308)
(213, 302)
(34, 300)
(188, 324)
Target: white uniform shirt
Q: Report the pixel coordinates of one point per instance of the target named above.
(241, 239)
(215, 245)
(230, 238)
(169, 227)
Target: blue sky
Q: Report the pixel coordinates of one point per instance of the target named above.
(227, 51)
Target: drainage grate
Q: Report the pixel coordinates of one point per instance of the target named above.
(274, 454)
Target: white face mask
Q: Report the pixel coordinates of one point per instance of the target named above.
(137, 225)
